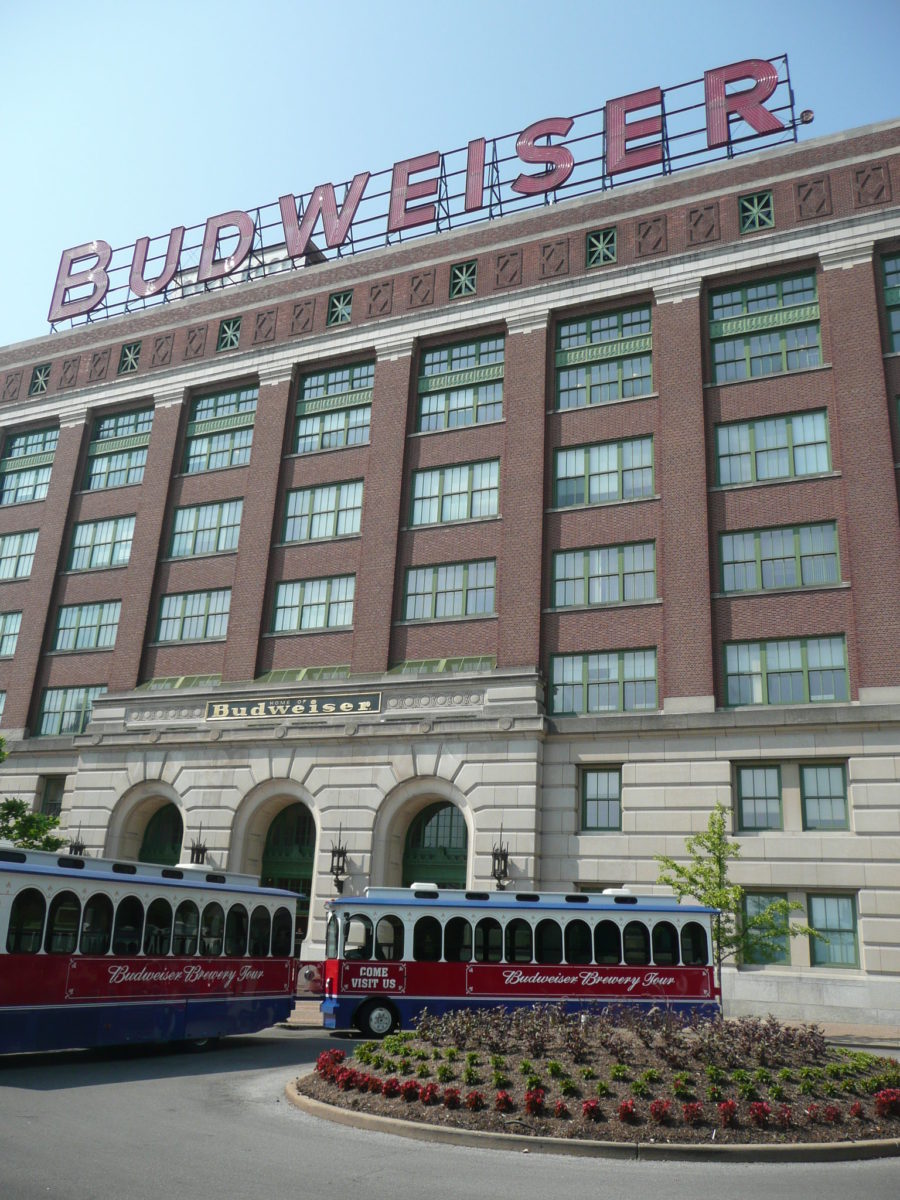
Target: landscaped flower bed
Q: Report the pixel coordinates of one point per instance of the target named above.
(624, 1076)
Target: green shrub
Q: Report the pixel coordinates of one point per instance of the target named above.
(602, 1088)
(619, 1071)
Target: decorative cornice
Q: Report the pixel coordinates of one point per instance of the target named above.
(536, 318)
(844, 257)
(398, 344)
(674, 291)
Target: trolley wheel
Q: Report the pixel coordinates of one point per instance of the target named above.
(199, 1045)
(377, 1018)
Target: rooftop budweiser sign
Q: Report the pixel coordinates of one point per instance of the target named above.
(732, 109)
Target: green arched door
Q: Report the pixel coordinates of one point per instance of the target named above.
(436, 847)
(289, 856)
(163, 837)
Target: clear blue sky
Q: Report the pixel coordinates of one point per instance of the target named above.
(120, 119)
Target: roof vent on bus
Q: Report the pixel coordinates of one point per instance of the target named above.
(12, 855)
(427, 886)
(214, 878)
(171, 873)
(68, 861)
(577, 898)
(527, 897)
(424, 894)
(478, 895)
(124, 869)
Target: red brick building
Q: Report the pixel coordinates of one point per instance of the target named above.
(550, 532)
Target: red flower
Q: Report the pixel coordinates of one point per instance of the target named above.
(391, 1087)
(659, 1110)
(503, 1102)
(626, 1111)
(727, 1112)
(856, 1110)
(409, 1090)
(760, 1113)
(591, 1110)
(692, 1112)
(832, 1114)
(475, 1101)
(451, 1097)
(887, 1101)
(534, 1101)
(784, 1117)
(429, 1094)
(561, 1109)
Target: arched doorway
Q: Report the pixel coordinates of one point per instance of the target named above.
(163, 836)
(436, 847)
(289, 857)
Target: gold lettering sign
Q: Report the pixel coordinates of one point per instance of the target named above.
(329, 705)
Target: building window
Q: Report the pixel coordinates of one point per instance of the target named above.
(892, 299)
(2, 705)
(26, 465)
(129, 356)
(17, 554)
(775, 950)
(220, 432)
(603, 474)
(756, 212)
(314, 604)
(194, 616)
(834, 917)
(334, 408)
(620, 681)
(40, 379)
(9, 633)
(340, 308)
(760, 559)
(51, 790)
(764, 328)
(331, 511)
(450, 590)
(229, 334)
(773, 448)
(466, 492)
(461, 385)
(601, 807)
(799, 671)
(601, 247)
(87, 626)
(604, 575)
(759, 798)
(66, 710)
(99, 544)
(118, 450)
(206, 528)
(463, 279)
(604, 357)
(823, 789)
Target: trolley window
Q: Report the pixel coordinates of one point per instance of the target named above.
(578, 942)
(548, 942)
(607, 943)
(458, 940)
(96, 925)
(694, 945)
(488, 941)
(389, 939)
(187, 926)
(62, 924)
(517, 941)
(636, 940)
(260, 932)
(158, 927)
(212, 930)
(358, 937)
(26, 922)
(331, 937)
(282, 933)
(427, 940)
(129, 927)
(236, 927)
(665, 944)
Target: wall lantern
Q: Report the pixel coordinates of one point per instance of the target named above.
(198, 849)
(500, 863)
(338, 866)
(77, 846)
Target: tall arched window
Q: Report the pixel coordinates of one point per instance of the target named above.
(163, 837)
(288, 858)
(437, 847)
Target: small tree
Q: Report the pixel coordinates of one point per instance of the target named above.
(705, 878)
(31, 830)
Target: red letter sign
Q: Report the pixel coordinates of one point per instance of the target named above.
(136, 281)
(619, 132)
(212, 267)
(747, 104)
(559, 160)
(61, 308)
(297, 236)
(401, 217)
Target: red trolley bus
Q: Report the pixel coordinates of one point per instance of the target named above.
(400, 950)
(95, 952)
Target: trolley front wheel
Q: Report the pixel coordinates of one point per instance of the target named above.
(377, 1018)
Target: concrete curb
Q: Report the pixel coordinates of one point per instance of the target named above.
(578, 1148)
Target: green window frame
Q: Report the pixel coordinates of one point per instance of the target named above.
(601, 799)
(129, 357)
(756, 212)
(2, 705)
(612, 681)
(823, 793)
(194, 616)
(206, 528)
(332, 510)
(440, 666)
(220, 431)
(10, 623)
(168, 683)
(833, 916)
(792, 671)
(449, 590)
(26, 465)
(97, 545)
(302, 604)
(117, 454)
(764, 328)
(891, 267)
(759, 798)
(792, 446)
(799, 556)
(603, 473)
(340, 308)
(766, 954)
(334, 408)
(87, 626)
(600, 575)
(17, 554)
(309, 674)
(229, 337)
(460, 384)
(66, 710)
(40, 380)
(463, 279)
(604, 357)
(600, 247)
(462, 492)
